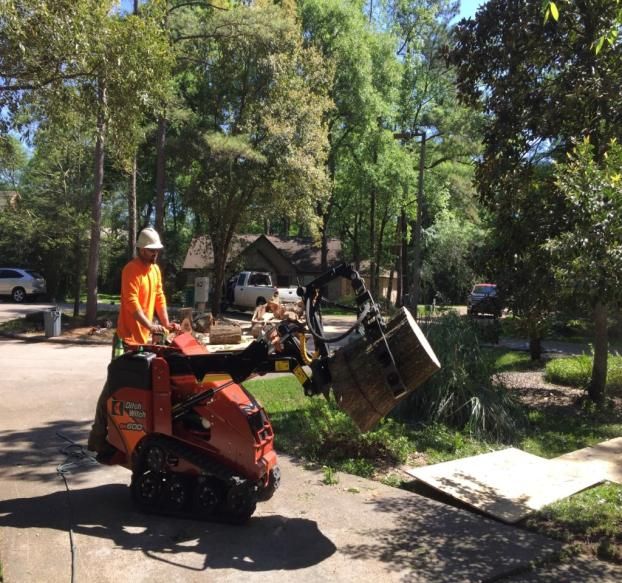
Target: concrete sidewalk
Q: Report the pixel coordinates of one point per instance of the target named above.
(356, 530)
(549, 347)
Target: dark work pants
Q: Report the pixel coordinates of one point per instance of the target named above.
(97, 437)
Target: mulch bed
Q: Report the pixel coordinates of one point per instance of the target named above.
(533, 391)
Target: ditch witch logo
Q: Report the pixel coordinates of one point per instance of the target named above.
(131, 408)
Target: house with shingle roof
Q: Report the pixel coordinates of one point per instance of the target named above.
(291, 261)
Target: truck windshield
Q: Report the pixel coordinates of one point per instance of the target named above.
(259, 279)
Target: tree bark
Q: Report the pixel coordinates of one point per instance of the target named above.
(131, 213)
(416, 283)
(77, 284)
(160, 176)
(220, 250)
(535, 340)
(373, 288)
(96, 208)
(131, 199)
(377, 293)
(598, 382)
(404, 261)
(221, 333)
(535, 347)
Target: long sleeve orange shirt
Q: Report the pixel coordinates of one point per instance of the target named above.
(141, 288)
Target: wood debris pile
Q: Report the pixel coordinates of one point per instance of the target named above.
(274, 312)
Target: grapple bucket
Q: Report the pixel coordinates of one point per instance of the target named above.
(364, 373)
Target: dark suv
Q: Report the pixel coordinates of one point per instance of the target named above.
(483, 300)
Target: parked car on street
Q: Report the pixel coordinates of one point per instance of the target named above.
(21, 283)
(483, 300)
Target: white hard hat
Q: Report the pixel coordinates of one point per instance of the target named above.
(148, 238)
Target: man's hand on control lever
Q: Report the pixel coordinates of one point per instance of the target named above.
(160, 329)
(157, 329)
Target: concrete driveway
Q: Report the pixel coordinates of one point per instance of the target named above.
(83, 528)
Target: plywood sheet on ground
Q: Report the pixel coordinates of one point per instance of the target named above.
(508, 484)
(604, 459)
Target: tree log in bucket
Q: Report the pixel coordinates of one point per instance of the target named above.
(361, 381)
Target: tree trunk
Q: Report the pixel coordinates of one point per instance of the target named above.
(417, 252)
(220, 250)
(598, 382)
(160, 176)
(325, 215)
(356, 248)
(395, 268)
(96, 209)
(535, 339)
(77, 284)
(131, 199)
(377, 293)
(535, 347)
(404, 261)
(223, 333)
(373, 200)
(131, 213)
(373, 287)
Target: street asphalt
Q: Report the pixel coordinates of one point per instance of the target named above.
(81, 526)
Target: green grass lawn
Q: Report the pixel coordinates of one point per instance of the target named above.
(502, 359)
(319, 431)
(101, 298)
(575, 371)
(590, 519)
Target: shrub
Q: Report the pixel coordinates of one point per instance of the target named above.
(462, 393)
(330, 435)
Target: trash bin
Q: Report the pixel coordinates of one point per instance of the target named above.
(51, 322)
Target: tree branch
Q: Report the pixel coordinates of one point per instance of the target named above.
(195, 3)
(31, 86)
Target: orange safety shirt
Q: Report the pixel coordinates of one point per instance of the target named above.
(141, 288)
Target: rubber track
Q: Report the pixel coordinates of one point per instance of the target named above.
(208, 466)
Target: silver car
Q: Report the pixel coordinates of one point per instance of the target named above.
(20, 283)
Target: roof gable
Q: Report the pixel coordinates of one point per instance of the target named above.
(302, 252)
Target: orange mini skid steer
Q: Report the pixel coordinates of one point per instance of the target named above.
(197, 442)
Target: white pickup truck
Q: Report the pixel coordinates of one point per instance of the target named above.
(249, 289)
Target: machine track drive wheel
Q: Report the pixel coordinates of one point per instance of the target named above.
(146, 489)
(241, 502)
(207, 498)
